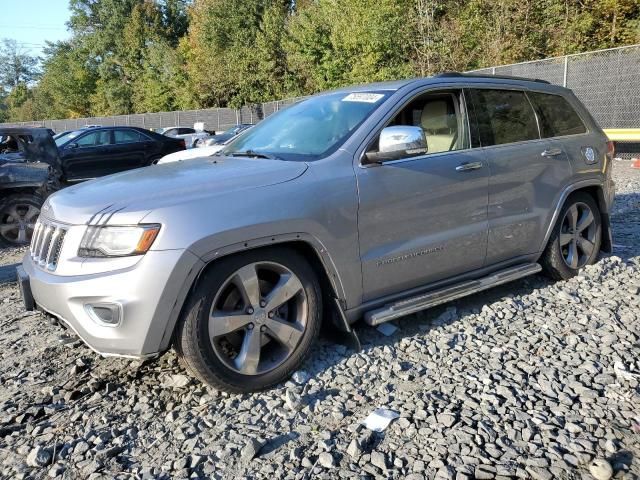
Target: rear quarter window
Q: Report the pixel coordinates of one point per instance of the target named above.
(557, 117)
(504, 116)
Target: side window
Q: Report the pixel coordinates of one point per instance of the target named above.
(186, 131)
(504, 116)
(172, 132)
(557, 116)
(442, 117)
(94, 139)
(9, 144)
(125, 136)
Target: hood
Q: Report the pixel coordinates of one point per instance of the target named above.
(127, 197)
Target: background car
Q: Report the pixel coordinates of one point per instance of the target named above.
(28, 174)
(223, 137)
(95, 152)
(190, 135)
(191, 154)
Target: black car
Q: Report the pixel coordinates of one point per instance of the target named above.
(95, 152)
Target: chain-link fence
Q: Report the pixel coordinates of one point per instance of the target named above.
(607, 81)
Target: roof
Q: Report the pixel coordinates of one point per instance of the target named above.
(444, 76)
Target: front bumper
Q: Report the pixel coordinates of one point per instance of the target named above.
(150, 295)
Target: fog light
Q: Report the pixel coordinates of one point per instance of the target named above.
(106, 314)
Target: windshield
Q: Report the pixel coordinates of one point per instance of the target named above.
(62, 139)
(308, 130)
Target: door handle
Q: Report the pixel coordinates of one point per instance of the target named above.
(551, 152)
(464, 167)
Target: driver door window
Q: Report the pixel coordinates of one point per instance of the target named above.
(442, 118)
(95, 139)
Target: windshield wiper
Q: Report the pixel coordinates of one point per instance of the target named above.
(252, 154)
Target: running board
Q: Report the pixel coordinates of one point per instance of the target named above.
(431, 299)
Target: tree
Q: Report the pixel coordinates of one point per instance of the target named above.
(16, 65)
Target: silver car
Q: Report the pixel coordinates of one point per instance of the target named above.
(369, 202)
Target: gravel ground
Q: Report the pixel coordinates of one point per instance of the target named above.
(533, 380)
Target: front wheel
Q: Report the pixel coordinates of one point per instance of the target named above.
(251, 320)
(576, 238)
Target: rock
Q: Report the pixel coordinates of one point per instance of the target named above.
(38, 457)
(485, 472)
(300, 377)
(354, 449)
(326, 460)
(447, 419)
(176, 381)
(292, 400)
(251, 450)
(379, 460)
(601, 469)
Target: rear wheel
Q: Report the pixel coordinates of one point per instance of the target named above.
(251, 320)
(18, 215)
(576, 238)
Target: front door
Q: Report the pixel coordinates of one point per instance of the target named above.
(82, 158)
(424, 218)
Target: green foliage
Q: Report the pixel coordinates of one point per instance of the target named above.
(128, 56)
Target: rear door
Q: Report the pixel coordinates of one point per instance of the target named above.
(127, 152)
(527, 171)
(83, 158)
(424, 218)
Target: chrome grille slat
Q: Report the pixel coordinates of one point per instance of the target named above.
(46, 244)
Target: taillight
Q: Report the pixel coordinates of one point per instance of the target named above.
(611, 150)
(183, 144)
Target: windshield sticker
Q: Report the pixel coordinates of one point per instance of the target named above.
(363, 97)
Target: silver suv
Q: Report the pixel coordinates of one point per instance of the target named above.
(369, 202)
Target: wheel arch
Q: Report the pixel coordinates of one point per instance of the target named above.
(594, 189)
(306, 245)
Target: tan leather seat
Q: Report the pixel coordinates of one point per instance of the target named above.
(439, 126)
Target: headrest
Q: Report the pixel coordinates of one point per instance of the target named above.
(435, 116)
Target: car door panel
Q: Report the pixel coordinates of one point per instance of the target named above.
(421, 220)
(522, 189)
(86, 160)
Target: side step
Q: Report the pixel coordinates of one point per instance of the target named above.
(446, 294)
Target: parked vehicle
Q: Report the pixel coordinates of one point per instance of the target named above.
(28, 174)
(374, 201)
(190, 154)
(188, 134)
(100, 151)
(224, 137)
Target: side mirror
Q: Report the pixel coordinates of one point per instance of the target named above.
(398, 142)
(72, 146)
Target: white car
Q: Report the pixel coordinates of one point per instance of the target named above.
(190, 135)
(190, 154)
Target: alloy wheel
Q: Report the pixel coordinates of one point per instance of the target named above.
(578, 235)
(258, 317)
(17, 221)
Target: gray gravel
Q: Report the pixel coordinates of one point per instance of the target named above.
(535, 380)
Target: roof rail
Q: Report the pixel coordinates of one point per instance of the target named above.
(484, 75)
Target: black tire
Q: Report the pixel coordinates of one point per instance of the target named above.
(554, 259)
(201, 354)
(18, 215)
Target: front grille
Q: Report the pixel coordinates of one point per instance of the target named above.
(46, 244)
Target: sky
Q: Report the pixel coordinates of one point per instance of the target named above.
(32, 22)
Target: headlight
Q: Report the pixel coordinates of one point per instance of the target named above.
(117, 241)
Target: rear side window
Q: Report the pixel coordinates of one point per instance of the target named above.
(504, 116)
(126, 136)
(186, 131)
(557, 116)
